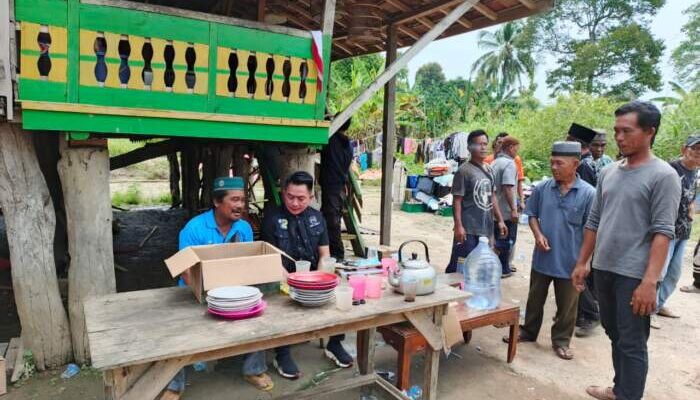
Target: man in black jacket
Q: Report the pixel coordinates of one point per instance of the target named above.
(336, 157)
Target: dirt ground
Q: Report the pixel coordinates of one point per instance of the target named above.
(478, 370)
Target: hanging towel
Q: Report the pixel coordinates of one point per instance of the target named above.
(317, 52)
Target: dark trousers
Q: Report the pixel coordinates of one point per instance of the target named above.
(286, 350)
(696, 268)
(628, 333)
(460, 251)
(566, 298)
(588, 309)
(332, 208)
(505, 243)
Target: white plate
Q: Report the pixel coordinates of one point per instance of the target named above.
(235, 301)
(231, 305)
(233, 292)
(311, 292)
(310, 299)
(231, 309)
(314, 304)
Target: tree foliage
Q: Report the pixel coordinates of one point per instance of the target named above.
(686, 57)
(602, 46)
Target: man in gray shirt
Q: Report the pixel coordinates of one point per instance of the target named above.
(505, 176)
(630, 226)
(474, 208)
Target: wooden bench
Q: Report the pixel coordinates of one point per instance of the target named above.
(407, 341)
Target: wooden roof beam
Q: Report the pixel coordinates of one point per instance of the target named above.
(401, 6)
(487, 12)
(529, 4)
(427, 9)
(342, 47)
(461, 21)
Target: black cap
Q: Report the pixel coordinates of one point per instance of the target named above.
(580, 132)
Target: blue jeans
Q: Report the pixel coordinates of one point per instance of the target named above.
(672, 271)
(628, 333)
(253, 364)
(461, 250)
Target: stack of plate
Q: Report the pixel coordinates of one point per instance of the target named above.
(312, 289)
(236, 302)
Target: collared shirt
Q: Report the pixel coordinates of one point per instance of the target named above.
(562, 220)
(518, 165)
(300, 236)
(202, 230)
(587, 170)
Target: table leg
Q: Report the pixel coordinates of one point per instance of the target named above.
(432, 359)
(365, 350)
(141, 382)
(513, 342)
(403, 370)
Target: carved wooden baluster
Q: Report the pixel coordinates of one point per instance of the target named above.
(251, 84)
(232, 83)
(124, 48)
(303, 73)
(100, 52)
(44, 61)
(147, 72)
(269, 83)
(286, 86)
(169, 74)
(190, 59)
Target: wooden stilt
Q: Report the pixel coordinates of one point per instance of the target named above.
(389, 129)
(84, 173)
(175, 196)
(30, 219)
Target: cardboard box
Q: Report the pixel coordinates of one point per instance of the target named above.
(227, 264)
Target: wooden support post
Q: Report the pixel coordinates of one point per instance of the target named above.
(84, 173)
(30, 219)
(389, 131)
(400, 63)
(175, 196)
(432, 360)
(365, 350)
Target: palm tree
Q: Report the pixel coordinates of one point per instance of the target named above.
(506, 59)
(680, 95)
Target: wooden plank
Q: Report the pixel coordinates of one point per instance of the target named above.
(18, 368)
(400, 63)
(529, 4)
(487, 12)
(135, 328)
(11, 354)
(365, 351)
(391, 389)
(432, 360)
(3, 377)
(389, 129)
(170, 114)
(423, 321)
(330, 388)
(199, 16)
(421, 11)
(155, 379)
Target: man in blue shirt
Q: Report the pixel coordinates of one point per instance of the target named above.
(224, 223)
(557, 211)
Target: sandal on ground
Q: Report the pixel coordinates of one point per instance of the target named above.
(665, 312)
(601, 393)
(690, 289)
(261, 382)
(170, 395)
(564, 353)
(521, 339)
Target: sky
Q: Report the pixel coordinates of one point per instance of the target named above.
(666, 25)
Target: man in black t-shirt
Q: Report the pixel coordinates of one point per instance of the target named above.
(687, 168)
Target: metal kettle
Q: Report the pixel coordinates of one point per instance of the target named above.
(414, 269)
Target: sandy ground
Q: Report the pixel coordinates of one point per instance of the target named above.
(478, 370)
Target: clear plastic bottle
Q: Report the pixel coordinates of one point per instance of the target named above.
(482, 277)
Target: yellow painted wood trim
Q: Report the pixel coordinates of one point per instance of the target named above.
(151, 113)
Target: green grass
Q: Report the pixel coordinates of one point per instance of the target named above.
(412, 167)
(134, 197)
(121, 146)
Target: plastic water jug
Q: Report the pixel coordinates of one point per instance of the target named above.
(482, 277)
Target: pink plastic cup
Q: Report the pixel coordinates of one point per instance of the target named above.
(388, 264)
(359, 285)
(374, 287)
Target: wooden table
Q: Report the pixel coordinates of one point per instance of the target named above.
(141, 339)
